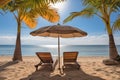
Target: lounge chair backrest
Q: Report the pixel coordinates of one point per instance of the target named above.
(70, 56)
(45, 57)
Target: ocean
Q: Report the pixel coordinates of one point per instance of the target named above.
(84, 50)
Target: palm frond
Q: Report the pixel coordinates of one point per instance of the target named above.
(52, 1)
(38, 3)
(87, 12)
(115, 6)
(4, 2)
(92, 3)
(29, 19)
(47, 13)
(42, 8)
(116, 25)
(51, 15)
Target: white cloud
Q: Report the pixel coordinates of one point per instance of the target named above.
(7, 40)
(31, 40)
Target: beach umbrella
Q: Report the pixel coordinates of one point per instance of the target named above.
(57, 31)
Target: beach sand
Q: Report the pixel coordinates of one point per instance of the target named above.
(91, 68)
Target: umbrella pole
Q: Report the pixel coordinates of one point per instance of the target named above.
(59, 51)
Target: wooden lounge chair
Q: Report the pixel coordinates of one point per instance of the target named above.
(45, 58)
(70, 60)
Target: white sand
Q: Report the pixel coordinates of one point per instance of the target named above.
(91, 68)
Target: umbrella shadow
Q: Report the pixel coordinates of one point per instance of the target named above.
(68, 74)
(41, 74)
(75, 74)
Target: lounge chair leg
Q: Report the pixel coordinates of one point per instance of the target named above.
(36, 66)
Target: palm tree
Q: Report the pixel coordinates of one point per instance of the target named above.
(103, 9)
(28, 11)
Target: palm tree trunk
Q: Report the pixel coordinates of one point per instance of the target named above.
(113, 53)
(17, 52)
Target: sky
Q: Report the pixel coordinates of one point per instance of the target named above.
(94, 26)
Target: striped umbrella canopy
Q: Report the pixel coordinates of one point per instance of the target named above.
(57, 31)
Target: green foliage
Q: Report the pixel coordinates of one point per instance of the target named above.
(29, 10)
(87, 12)
(100, 8)
(116, 25)
(3, 3)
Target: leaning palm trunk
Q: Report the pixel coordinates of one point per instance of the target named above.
(113, 53)
(17, 52)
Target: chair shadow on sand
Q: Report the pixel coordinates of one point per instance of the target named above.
(68, 74)
(3, 67)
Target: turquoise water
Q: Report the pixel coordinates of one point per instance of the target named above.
(84, 50)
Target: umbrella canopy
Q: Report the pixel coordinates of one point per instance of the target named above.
(59, 31)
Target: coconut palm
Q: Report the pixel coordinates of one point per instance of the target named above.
(103, 9)
(28, 11)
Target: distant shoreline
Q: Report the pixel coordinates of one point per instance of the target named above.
(84, 50)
